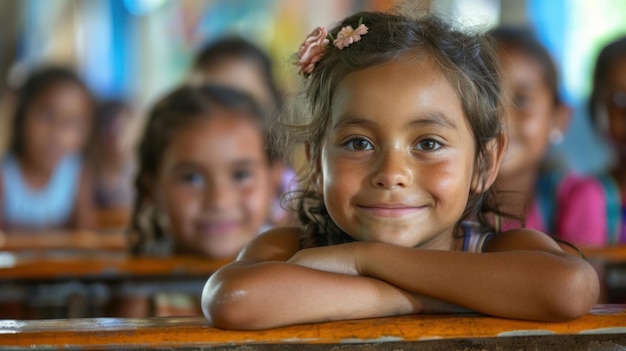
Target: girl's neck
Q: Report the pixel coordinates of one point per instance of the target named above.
(35, 175)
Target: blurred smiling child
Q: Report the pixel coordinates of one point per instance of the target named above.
(45, 183)
(203, 184)
(563, 204)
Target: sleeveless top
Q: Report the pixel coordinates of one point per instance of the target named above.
(475, 236)
(49, 207)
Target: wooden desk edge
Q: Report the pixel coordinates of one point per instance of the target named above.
(110, 267)
(187, 331)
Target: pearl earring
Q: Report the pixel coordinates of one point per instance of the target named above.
(556, 137)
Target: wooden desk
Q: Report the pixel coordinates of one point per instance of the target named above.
(103, 266)
(113, 218)
(83, 284)
(613, 253)
(603, 329)
(60, 240)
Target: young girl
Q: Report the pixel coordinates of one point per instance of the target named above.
(607, 108)
(115, 168)
(45, 183)
(239, 64)
(203, 186)
(563, 204)
(205, 169)
(404, 141)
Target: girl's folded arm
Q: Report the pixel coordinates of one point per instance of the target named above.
(523, 274)
(256, 293)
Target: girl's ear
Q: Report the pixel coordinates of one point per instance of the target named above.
(316, 178)
(495, 149)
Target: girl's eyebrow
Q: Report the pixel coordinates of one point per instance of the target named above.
(434, 118)
(351, 121)
(430, 118)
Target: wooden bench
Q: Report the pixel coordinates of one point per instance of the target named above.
(85, 283)
(603, 329)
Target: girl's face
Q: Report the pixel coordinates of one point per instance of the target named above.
(616, 104)
(56, 123)
(214, 185)
(530, 111)
(397, 161)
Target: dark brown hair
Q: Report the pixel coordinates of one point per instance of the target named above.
(238, 48)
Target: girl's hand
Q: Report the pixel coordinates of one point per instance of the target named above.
(340, 259)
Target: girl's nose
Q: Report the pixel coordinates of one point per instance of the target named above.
(392, 170)
(219, 195)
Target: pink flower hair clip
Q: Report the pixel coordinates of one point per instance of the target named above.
(347, 35)
(313, 49)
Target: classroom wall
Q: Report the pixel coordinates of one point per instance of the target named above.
(140, 49)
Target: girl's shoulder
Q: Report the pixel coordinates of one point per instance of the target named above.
(521, 239)
(277, 244)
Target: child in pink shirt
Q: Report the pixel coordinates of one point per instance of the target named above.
(607, 107)
(567, 206)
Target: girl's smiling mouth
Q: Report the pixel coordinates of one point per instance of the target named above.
(218, 228)
(390, 209)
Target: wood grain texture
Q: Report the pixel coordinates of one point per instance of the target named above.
(605, 322)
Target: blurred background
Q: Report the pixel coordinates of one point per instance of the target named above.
(137, 50)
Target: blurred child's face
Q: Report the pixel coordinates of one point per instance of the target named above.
(56, 123)
(241, 74)
(530, 108)
(214, 185)
(397, 161)
(616, 104)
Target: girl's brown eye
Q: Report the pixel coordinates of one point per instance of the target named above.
(428, 145)
(358, 144)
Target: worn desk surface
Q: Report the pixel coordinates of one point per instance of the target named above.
(102, 266)
(604, 327)
(613, 253)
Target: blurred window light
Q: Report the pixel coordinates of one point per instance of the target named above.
(470, 13)
(142, 7)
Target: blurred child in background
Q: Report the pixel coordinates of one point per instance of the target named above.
(607, 108)
(45, 182)
(237, 63)
(552, 200)
(204, 183)
(114, 168)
